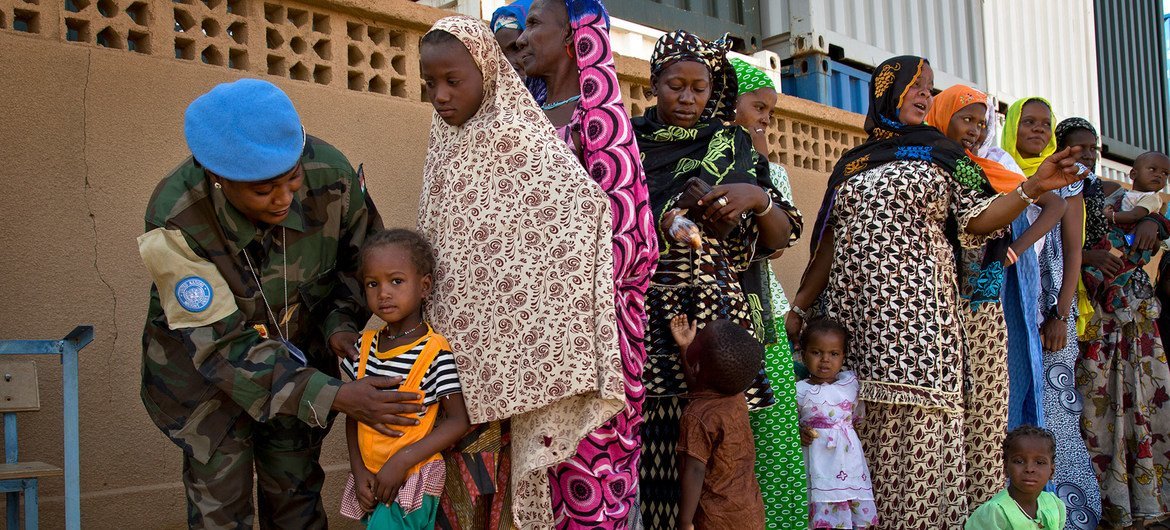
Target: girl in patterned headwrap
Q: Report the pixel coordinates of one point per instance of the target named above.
(899, 209)
(687, 136)
(779, 462)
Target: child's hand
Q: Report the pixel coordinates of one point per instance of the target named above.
(363, 482)
(807, 435)
(683, 331)
(388, 480)
(1109, 212)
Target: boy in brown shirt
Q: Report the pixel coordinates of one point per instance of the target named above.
(717, 453)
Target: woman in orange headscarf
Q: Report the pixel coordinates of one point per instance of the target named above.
(1006, 389)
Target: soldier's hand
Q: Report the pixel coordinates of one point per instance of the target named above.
(367, 400)
(343, 344)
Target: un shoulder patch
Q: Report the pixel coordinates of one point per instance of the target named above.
(194, 294)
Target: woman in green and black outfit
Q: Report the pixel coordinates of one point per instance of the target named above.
(686, 136)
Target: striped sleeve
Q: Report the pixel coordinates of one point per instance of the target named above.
(441, 379)
(349, 366)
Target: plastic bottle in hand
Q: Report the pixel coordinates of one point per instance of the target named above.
(685, 231)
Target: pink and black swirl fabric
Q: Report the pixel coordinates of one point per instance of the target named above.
(598, 486)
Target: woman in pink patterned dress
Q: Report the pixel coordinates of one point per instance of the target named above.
(566, 43)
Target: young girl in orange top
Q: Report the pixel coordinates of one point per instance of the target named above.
(398, 480)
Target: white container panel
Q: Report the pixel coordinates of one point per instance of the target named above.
(1055, 58)
(947, 32)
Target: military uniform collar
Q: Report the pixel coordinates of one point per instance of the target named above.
(241, 230)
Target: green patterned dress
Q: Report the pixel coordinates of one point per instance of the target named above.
(779, 460)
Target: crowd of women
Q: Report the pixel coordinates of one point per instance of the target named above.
(971, 279)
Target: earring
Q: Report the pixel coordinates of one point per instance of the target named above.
(569, 51)
(217, 186)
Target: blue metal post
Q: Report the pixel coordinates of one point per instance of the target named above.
(11, 450)
(32, 518)
(73, 342)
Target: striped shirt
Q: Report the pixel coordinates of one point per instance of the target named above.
(441, 377)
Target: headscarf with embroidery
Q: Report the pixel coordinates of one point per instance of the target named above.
(891, 140)
(681, 45)
(511, 16)
(750, 78)
(950, 101)
(1011, 128)
(513, 217)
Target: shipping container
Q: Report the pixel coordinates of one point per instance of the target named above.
(709, 19)
(1133, 87)
(866, 32)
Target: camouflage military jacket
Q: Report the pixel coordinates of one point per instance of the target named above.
(211, 350)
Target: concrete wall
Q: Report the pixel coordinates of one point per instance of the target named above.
(85, 134)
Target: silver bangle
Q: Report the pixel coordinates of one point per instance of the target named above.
(766, 210)
(1024, 196)
(799, 312)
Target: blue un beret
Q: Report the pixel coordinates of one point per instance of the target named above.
(245, 131)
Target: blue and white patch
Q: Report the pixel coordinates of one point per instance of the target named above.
(194, 294)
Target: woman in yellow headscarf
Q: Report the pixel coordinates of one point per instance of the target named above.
(1029, 136)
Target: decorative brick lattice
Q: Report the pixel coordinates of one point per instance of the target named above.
(808, 145)
(27, 16)
(299, 43)
(376, 59)
(795, 142)
(213, 32)
(374, 51)
(118, 24)
(637, 96)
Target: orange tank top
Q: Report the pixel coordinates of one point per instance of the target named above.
(377, 448)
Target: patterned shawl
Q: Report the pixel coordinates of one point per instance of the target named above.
(1011, 128)
(683, 46)
(609, 148)
(891, 140)
(950, 101)
(524, 286)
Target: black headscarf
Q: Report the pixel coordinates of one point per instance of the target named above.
(891, 140)
(711, 151)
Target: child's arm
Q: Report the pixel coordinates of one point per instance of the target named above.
(363, 480)
(690, 474)
(448, 429)
(683, 332)
(1052, 207)
(1132, 216)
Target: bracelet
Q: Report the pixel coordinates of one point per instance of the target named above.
(1020, 192)
(1011, 256)
(1055, 313)
(799, 312)
(766, 210)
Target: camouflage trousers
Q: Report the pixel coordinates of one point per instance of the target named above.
(283, 453)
